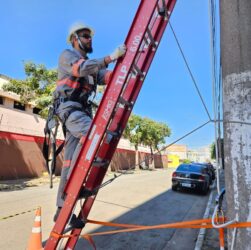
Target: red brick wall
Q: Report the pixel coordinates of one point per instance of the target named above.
(123, 159)
(21, 157)
(160, 161)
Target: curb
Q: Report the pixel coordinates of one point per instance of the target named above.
(202, 232)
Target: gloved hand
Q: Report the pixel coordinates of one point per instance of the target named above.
(118, 52)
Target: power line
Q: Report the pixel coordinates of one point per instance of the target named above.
(189, 70)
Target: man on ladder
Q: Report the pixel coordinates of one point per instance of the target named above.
(78, 77)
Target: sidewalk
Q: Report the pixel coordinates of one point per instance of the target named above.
(19, 184)
(208, 239)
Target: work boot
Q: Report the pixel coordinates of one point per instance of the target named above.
(57, 214)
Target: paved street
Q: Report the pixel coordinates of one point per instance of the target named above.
(140, 198)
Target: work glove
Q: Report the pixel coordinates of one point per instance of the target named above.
(118, 52)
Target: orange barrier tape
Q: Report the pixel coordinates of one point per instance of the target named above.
(200, 223)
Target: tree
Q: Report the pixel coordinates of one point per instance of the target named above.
(186, 161)
(153, 134)
(146, 132)
(213, 151)
(133, 133)
(37, 87)
(220, 147)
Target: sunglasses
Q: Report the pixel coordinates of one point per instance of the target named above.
(86, 36)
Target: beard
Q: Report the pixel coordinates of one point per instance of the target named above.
(87, 48)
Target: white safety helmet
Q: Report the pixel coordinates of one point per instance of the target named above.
(75, 28)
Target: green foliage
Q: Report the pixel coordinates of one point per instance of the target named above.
(186, 161)
(220, 146)
(153, 133)
(37, 87)
(146, 132)
(213, 151)
(132, 131)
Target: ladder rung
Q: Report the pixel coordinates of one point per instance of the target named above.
(100, 163)
(137, 71)
(113, 133)
(75, 222)
(150, 36)
(124, 102)
(163, 10)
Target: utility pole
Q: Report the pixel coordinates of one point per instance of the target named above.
(236, 73)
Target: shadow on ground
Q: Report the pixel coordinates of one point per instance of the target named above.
(165, 208)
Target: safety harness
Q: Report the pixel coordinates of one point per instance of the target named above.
(50, 150)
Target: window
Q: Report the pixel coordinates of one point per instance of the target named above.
(36, 110)
(1, 100)
(190, 168)
(19, 105)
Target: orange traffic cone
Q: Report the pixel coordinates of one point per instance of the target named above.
(35, 241)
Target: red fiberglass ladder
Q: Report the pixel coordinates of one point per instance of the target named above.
(114, 110)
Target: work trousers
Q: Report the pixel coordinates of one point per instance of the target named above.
(77, 125)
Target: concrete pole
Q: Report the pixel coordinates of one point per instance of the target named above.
(236, 72)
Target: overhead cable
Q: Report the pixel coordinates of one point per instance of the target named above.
(189, 70)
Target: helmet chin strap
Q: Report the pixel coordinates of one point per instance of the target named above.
(80, 43)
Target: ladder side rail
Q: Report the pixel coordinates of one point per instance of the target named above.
(149, 65)
(152, 13)
(97, 180)
(145, 62)
(115, 91)
(83, 162)
(114, 88)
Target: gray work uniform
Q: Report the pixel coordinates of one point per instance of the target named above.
(77, 81)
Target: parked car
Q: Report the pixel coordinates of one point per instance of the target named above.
(210, 169)
(191, 176)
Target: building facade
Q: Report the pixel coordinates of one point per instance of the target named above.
(21, 142)
(202, 154)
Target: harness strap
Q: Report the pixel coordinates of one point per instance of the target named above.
(68, 113)
(50, 150)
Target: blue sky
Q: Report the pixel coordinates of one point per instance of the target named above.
(36, 30)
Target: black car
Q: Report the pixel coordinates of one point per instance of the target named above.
(210, 169)
(191, 176)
